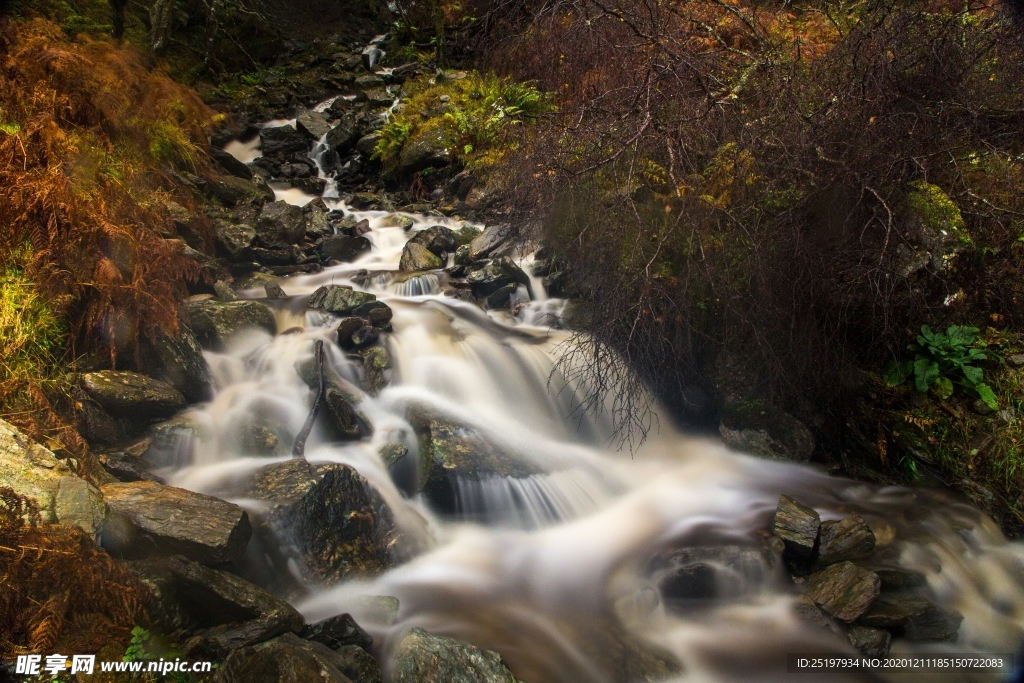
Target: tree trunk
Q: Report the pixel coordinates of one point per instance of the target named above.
(117, 18)
(161, 16)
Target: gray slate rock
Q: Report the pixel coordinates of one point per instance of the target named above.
(228, 611)
(367, 144)
(913, 616)
(797, 525)
(285, 659)
(215, 322)
(844, 590)
(422, 657)
(231, 190)
(344, 248)
(494, 237)
(338, 631)
(80, 504)
(280, 225)
(127, 467)
(343, 137)
(180, 363)
(438, 240)
(230, 164)
(847, 539)
(872, 642)
(312, 124)
(282, 141)
(130, 395)
(147, 519)
(233, 240)
(417, 257)
(429, 150)
(497, 274)
(338, 299)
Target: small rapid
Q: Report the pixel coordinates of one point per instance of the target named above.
(552, 568)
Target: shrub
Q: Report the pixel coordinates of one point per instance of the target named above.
(940, 355)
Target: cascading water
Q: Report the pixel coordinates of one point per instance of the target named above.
(547, 568)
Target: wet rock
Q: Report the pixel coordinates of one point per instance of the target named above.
(127, 467)
(230, 190)
(364, 336)
(230, 164)
(30, 469)
(844, 590)
(94, 423)
(313, 186)
(847, 539)
(497, 274)
(371, 57)
(556, 284)
(344, 248)
(810, 613)
(438, 240)
(80, 504)
(872, 642)
(375, 362)
(224, 291)
(147, 519)
(282, 141)
(338, 631)
(417, 257)
(397, 220)
(358, 664)
(339, 524)
(465, 235)
(462, 256)
(227, 611)
(130, 395)
(391, 452)
(179, 362)
(421, 657)
(171, 443)
(285, 659)
(312, 124)
(377, 312)
(260, 438)
(233, 240)
(710, 573)
(493, 238)
(318, 225)
(280, 224)
(429, 150)
(762, 443)
(797, 525)
(343, 136)
(895, 578)
(346, 328)
(502, 297)
(342, 416)
(215, 322)
(338, 299)
(914, 617)
(274, 291)
(367, 144)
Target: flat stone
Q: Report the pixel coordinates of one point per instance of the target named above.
(79, 503)
(338, 299)
(338, 631)
(127, 467)
(913, 616)
(228, 611)
(131, 395)
(495, 275)
(148, 519)
(489, 241)
(285, 659)
(847, 539)
(872, 642)
(339, 524)
(312, 124)
(418, 257)
(421, 657)
(31, 470)
(231, 164)
(216, 322)
(344, 248)
(844, 590)
(797, 525)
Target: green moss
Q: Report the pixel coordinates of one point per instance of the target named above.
(937, 211)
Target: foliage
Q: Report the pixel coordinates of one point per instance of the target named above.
(477, 116)
(58, 591)
(144, 647)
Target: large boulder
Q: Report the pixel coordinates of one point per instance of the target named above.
(215, 322)
(339, 525)
(179, 362)
(285, 659)
(230, 164)
(231, 190)
(338, 299)
(914, 617)
(497, 274)
(130, 395)
(429, 150)
(227, 611)
(234, 240)
(844, 590)
(282, 141)
(438, 240)
(280, 224)
(489, 241)
(31, 470)
(147, 519)
(312, 124)
(343, 137)
(797, 525)
(847, 539)
(417, 257)
(422, 657)
(712, 573)
(343, 248)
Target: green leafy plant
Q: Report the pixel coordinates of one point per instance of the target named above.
(392, 137)
(940, 357)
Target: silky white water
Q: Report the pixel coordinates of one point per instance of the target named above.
(547, 569)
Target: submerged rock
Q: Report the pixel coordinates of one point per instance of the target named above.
(847, 539)
(339, 524)
(147, 519)
(872, 642)
(285, 659)
(343, 248)
(215, 322)
(495, 275)
(914, 617)
(338, 299)
(844, 590)
(131, 395)
(797, 525)
(338, 631)
(376, 361)
(421, 657)
(226, 610)
(713, 573)
(418, 257)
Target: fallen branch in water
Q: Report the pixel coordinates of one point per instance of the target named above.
(298, 450)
